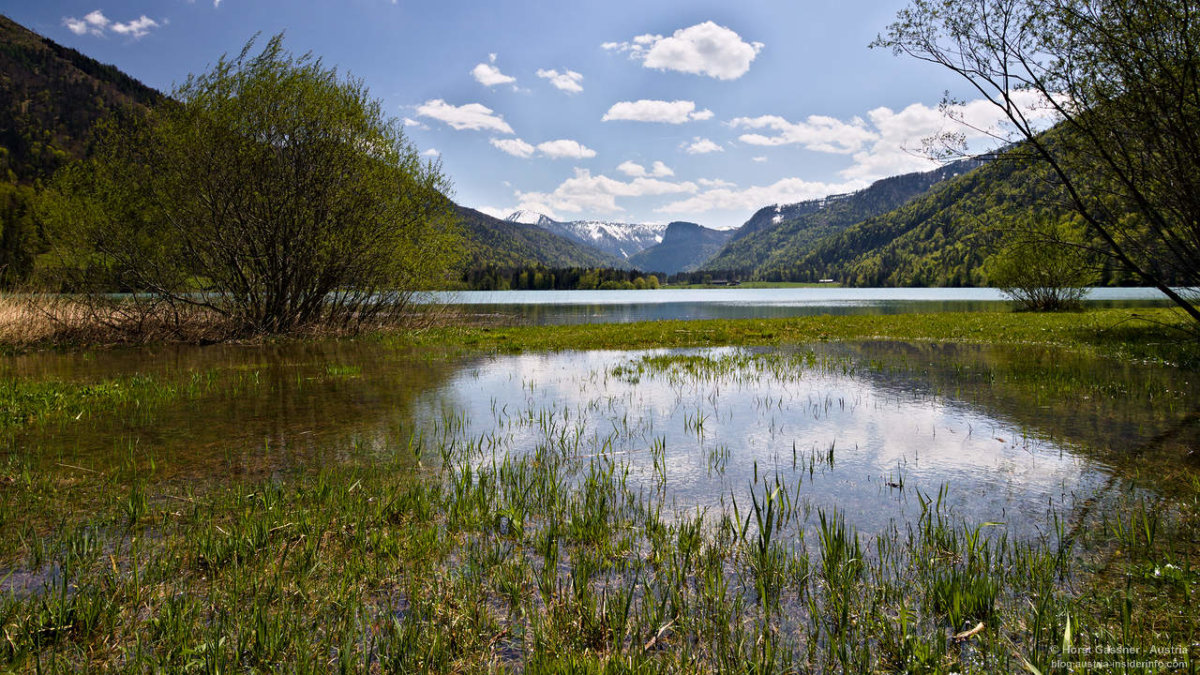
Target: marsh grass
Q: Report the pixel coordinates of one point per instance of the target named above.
(555, 560)
(450, 551)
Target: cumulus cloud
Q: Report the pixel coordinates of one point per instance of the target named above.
(715, 183)
(432, 152)
(759, 158)
(704, 49)
(470, 116)
(817, 132)
(702, 146)
(95, 23)
(635, 170)
(410, 123)
(559, 149)
(784, 191)
(514, 146)
(888, 142)
(668, 112)
(568, 80)
(597, 194)
(565, 149)
(489, 75)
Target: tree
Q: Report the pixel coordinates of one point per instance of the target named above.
(1122, 78)
(269, 191)
(1044, 266)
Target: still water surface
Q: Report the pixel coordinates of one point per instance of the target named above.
(572, 307)
(863, 428)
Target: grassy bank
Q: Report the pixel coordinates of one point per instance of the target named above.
(1157, 334)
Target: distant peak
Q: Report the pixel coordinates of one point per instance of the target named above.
(529, 218)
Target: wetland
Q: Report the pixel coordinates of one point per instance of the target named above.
(461, 500)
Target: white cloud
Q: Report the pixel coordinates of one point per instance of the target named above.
(759, 158)
(514, 146)
(703, 49)
(489, 75)
(668, 112)
(887, 142)
(495, 212)
(568, 80)
(784, 191)
(470, 116)
(559, 149)
(635, 170)
(715, 183)
(901, 134)
(597, 194)
(817, 132)
(410, 123)
(702, 146)
(432, 152)
(95, 23)
(565, 149)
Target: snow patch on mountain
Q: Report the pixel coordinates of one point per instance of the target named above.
(623, 239)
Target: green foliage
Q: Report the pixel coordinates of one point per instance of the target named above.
(1045, 266)
(271, 191)
(541, 278)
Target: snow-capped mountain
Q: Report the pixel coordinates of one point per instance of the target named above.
(622, 239)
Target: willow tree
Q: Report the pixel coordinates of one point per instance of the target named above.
(270, 191)
(1122, 78)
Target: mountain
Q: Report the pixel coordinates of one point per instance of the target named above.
(618, 239)
(767, 245)
(51, 98)
(684, 247)
(491, 242)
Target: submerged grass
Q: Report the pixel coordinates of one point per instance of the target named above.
(551, 561)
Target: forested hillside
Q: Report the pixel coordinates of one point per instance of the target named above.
(776, 237)
(491, 242)
(50, 100)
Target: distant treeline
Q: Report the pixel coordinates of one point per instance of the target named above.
(555, 279)
(710, 276)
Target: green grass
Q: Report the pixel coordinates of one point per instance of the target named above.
(1154, 334)
(553, 561)
(438, 555)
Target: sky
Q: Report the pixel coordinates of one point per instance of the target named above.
(631, 111)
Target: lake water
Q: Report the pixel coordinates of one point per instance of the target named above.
(861, 428)
(573, 307)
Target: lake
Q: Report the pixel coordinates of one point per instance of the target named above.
(574, 307)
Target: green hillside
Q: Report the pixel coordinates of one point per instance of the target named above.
(770, 242)
(491, 242)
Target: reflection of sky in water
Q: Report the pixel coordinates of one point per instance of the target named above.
(880, 433)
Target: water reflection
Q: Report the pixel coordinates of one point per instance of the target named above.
(860, 426)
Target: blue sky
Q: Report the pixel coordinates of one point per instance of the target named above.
(631, 111)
